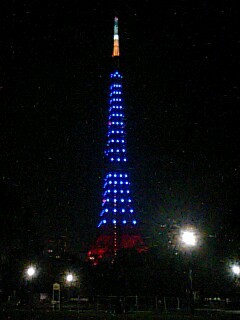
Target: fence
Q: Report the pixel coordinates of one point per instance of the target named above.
(123, 304)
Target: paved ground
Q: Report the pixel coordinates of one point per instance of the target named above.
(49, 315)
(11, 313)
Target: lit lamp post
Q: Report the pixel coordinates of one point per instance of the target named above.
(30, 273)
(235, 275)
(235, 270)
(189, 241)
(70, 279)
(189, 238)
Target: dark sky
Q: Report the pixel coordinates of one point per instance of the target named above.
(181, 88)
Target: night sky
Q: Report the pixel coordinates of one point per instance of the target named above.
(181, 89)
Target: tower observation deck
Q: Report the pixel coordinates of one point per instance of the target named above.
(118, 222)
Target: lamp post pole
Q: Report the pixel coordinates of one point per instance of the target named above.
(30, 275)
(191, 297)
(70, 281)
(189, 240)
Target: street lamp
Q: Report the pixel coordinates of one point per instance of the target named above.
(189, 240)
(69, 278)
(235, 269)
(30, 273)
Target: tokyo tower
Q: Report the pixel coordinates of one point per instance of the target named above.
(118, 222)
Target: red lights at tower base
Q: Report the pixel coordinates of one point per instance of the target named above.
(103, 250)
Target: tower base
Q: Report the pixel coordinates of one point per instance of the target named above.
(105, 248)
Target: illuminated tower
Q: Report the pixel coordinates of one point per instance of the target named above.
(118, 223)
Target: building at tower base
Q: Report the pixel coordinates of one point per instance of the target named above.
(105, 248)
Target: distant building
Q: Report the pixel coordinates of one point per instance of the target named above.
(57, 247)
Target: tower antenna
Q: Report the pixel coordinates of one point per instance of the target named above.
(116, 51)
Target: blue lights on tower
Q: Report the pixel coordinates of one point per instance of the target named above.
(117, 206)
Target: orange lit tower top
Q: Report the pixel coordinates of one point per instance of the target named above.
(116, 52)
